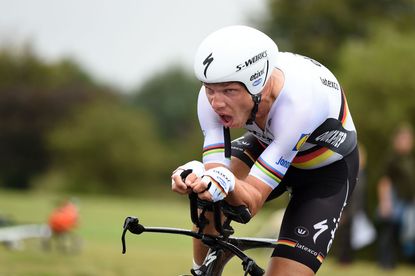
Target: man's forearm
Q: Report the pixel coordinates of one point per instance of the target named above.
(251, 193)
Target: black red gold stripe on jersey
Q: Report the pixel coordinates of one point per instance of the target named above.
(271, 172)
(287, 242)
(318, 154)
(320, 258)
(343, 109)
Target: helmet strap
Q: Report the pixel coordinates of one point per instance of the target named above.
(256, 99)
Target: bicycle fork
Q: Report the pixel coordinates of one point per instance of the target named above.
(213, 263)
(218, 257)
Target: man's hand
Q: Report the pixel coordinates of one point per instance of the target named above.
(215, 184)
(181, 183)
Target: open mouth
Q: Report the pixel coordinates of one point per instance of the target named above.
(226, 119)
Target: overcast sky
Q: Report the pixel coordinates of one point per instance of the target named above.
(121, 41)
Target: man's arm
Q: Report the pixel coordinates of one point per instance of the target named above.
(251, 192)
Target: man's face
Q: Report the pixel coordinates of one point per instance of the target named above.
(231, 101)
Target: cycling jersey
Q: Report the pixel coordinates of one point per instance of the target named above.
(308, 126)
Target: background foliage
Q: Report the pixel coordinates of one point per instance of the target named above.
(34, 97)
(319, 28)
(60, 129)
(106, 148)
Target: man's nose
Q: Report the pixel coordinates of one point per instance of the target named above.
(217, 100)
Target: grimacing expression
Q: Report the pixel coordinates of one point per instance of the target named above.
(231, 101)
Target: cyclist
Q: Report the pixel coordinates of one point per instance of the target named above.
(300, 138)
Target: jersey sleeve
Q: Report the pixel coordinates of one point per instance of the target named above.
(212, 128)
(289, 123)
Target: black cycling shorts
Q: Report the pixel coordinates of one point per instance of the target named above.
(317, 200)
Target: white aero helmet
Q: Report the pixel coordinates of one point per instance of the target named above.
(236, 53)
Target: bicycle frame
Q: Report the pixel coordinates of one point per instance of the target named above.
(222, 247)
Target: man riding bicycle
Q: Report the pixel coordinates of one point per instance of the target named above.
(300, 138)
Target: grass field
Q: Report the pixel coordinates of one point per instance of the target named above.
(149, 254)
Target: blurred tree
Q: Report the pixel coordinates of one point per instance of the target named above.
(379, 80)
(318, 28)
(34, 96)
(171, 97)
(108, 147)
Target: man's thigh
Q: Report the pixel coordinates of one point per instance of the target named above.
(309, 226)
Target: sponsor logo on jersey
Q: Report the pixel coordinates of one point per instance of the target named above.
(251, 61)
(301, 231)
(245, 143)
(336, 222)
(295, 244)
(282, 162)
(329, 83)
(333, 137)
(306, 249)
(261, 136)
(301, 141)
(320, 227)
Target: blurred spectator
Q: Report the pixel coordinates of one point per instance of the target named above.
(64, 218)
(396, 194)
(356, 230)
(62, 221)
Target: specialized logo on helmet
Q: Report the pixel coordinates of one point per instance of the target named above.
(208, 60)
(251, 61)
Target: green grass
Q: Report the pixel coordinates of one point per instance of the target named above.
(150, 254)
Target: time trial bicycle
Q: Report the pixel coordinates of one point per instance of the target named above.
(222, 247)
